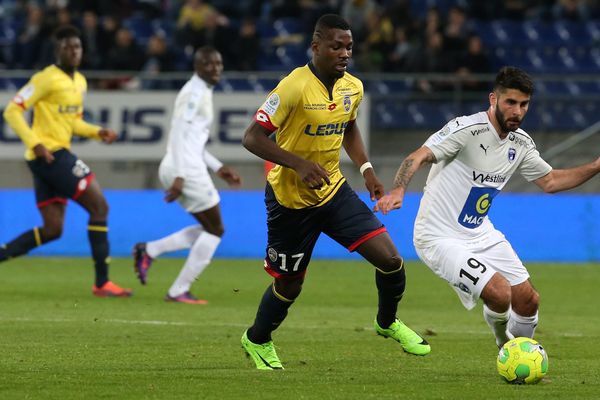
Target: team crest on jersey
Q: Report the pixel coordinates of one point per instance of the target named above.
(272, 254)
(477, 206)
(347, 103)
(80, 169)
(464, 288)
(445, 131)
(512, 153)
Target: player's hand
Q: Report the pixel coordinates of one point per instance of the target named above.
(374, 186)
(230, 176)
(42, 152)
(107, 135)
(312, 174)
(389, 202)
(175, 190)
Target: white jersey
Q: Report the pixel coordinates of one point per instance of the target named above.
(473, 165)
(190, 128)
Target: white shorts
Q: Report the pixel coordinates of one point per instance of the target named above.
(199, 192)
(468, 269)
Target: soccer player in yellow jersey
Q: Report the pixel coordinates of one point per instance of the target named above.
(313, 111)
(56, 95)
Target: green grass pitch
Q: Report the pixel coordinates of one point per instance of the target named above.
(57, 341)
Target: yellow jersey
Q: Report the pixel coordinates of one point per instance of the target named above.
(57, 101)
(310, 122)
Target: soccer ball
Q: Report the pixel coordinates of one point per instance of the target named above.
(522, 360)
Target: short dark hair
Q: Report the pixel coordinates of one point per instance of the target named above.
(203, 51)
(329, 21)
(66, 32)
(513, 78)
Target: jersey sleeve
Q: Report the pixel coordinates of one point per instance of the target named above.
(190, 105)
(279, 105)
(359, 99)
(80, 126)
(183, 117)
(34, 90)
(31, 93)
(533, 165)
(85, 129)
(211, 161)
(448, 141)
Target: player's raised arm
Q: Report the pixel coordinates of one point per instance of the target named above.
(409, 166)
(558, 180)
(256, 140)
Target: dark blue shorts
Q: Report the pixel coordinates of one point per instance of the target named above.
(292, 234)
(66, 177)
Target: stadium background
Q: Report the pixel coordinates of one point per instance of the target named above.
(422, 62)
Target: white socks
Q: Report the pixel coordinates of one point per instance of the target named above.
(182, 239)
(200, 255)
(519, 325)
(498, 323)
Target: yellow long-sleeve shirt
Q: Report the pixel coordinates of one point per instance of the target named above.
(57, 101)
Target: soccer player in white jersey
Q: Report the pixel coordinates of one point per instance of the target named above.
(184, 174)
(473, 158)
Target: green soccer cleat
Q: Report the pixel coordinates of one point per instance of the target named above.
(411, 342)
(264, 355)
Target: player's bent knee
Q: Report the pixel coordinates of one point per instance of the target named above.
(51, 232)
(99, 210)
(497, 294)
(289, 287)
(216, 230)
(527, 305)
(391, 264)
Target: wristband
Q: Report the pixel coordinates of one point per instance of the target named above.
(365, 167)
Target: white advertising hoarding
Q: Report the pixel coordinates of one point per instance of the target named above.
(142, 121)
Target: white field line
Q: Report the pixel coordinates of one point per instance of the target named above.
(232, 325)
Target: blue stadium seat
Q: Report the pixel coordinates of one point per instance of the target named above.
(591, 111)
(505, 31)
(587, 87)
(163, 27)
(7, 34)
(388, 87)
(382, 118)
(552, 87)
(266, 30)
(269, 61)
(419, 7)
(587, 60)
(541, 33)
(593, 30)
(238, 85)
(268, 84)
(572, 33)
(141, 27)
(5, 84)
(287, 26)
(292, 55)
(420, 115)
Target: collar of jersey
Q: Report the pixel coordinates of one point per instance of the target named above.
(313, 69)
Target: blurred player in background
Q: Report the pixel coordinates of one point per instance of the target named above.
(184, 174)
(314, 112)
(56, 95)
(474, 157)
